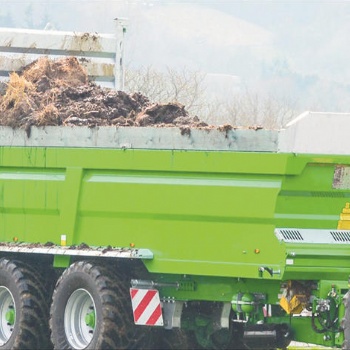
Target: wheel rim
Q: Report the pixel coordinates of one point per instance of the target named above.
(7, 315)
(79, 319)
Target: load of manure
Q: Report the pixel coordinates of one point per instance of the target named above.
(58, 92)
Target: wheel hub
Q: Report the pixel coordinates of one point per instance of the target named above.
(7, 315)
(79, 319)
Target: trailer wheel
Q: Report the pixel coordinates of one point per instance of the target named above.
(346, 321)
(23, 308)
(91, 309)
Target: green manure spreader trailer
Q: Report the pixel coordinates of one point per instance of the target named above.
(116, 238)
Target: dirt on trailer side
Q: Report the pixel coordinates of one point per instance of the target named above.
(58, 92)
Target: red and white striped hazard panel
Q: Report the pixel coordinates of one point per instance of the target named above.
(146, 307)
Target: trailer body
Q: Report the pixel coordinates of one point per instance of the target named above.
(159, 238)
(223, 234)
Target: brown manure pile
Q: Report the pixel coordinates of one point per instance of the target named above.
(58, 92)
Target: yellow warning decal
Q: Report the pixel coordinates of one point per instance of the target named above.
(344, 222)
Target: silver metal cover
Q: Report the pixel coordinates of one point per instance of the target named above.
(131, 253)
(295, 235)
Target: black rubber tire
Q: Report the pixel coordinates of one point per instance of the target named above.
(30, 329)
(346, 322)
(114, 326)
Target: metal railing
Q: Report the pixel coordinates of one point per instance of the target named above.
(100, 54)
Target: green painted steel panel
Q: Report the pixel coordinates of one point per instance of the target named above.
(200, 213)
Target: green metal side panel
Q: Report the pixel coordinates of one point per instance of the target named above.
(200, 213)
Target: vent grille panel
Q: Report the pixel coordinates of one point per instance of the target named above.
(292, 235)
(341, 236)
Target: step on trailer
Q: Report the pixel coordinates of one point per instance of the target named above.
(152, 238)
